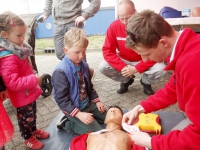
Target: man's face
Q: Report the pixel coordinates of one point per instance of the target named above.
(125, 12)
(114, 115)
(76, 54)
(157, 54)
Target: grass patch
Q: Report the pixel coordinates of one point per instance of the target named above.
(95, 42)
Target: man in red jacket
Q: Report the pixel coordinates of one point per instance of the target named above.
(154, 39)
(122, 63)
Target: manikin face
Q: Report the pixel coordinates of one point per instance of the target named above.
(114, 115)
(76, 54)
(16, 35)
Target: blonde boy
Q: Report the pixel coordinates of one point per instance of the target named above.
(73, 90)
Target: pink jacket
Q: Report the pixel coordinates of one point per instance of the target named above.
(19, 78)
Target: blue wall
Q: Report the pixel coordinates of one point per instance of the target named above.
(98, 24)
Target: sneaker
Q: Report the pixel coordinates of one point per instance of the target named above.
(147, 88)
(33, 143)
(61, 124)
(41, 134)
(123, 88)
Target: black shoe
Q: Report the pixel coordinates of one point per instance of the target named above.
(124, 86)
(147, 88)
(62, 122)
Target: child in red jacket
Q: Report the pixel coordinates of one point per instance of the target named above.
(18, 76)
(6, 127)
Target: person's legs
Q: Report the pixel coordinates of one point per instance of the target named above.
(113, 74)
(98, 116)
(152, 75)
(77, 126)
(184, 123)
(58, 37)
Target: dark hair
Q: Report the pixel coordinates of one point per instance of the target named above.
(116, 107)
(147, 27)
(9, 20)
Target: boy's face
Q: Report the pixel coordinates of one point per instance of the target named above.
(76, 54)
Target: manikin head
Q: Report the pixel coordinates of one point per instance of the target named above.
(114, 115)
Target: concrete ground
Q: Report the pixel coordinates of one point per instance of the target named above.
(47, 109)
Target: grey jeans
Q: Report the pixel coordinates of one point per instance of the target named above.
(58, 37)
(152, 75)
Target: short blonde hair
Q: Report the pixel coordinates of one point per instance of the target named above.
(75, 37)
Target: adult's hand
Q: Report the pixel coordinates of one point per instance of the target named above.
(43, 17)
(85, 117)
(142, 139)
(128, 71)
(131, 116)
(79, 19)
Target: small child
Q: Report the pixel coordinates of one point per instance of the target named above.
(73, 90)
(18, 76)
(6, 126)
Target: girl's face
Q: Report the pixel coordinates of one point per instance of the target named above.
(16, 35)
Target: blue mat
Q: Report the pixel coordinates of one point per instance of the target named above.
(60, 139)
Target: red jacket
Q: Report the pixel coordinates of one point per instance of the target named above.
(19, 78)
(183, 88)
(116, 39)
(79, 143)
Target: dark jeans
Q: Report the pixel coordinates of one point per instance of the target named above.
(77, 126)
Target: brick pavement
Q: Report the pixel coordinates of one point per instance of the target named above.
(106, 88)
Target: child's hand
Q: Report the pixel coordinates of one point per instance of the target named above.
(39, 79)
(85, 117)
(101, 107)
(3, 95)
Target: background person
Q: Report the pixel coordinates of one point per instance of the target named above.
(183, 87)
(121, 65)
(67, 14)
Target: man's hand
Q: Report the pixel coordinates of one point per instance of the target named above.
(43, 17)
(78, 20)
(131, 116)
(128, 71)
(101, 107)
(86, 118)
(142, 139)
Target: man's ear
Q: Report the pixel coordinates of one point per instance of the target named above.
(164, 42)
(4, 34)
